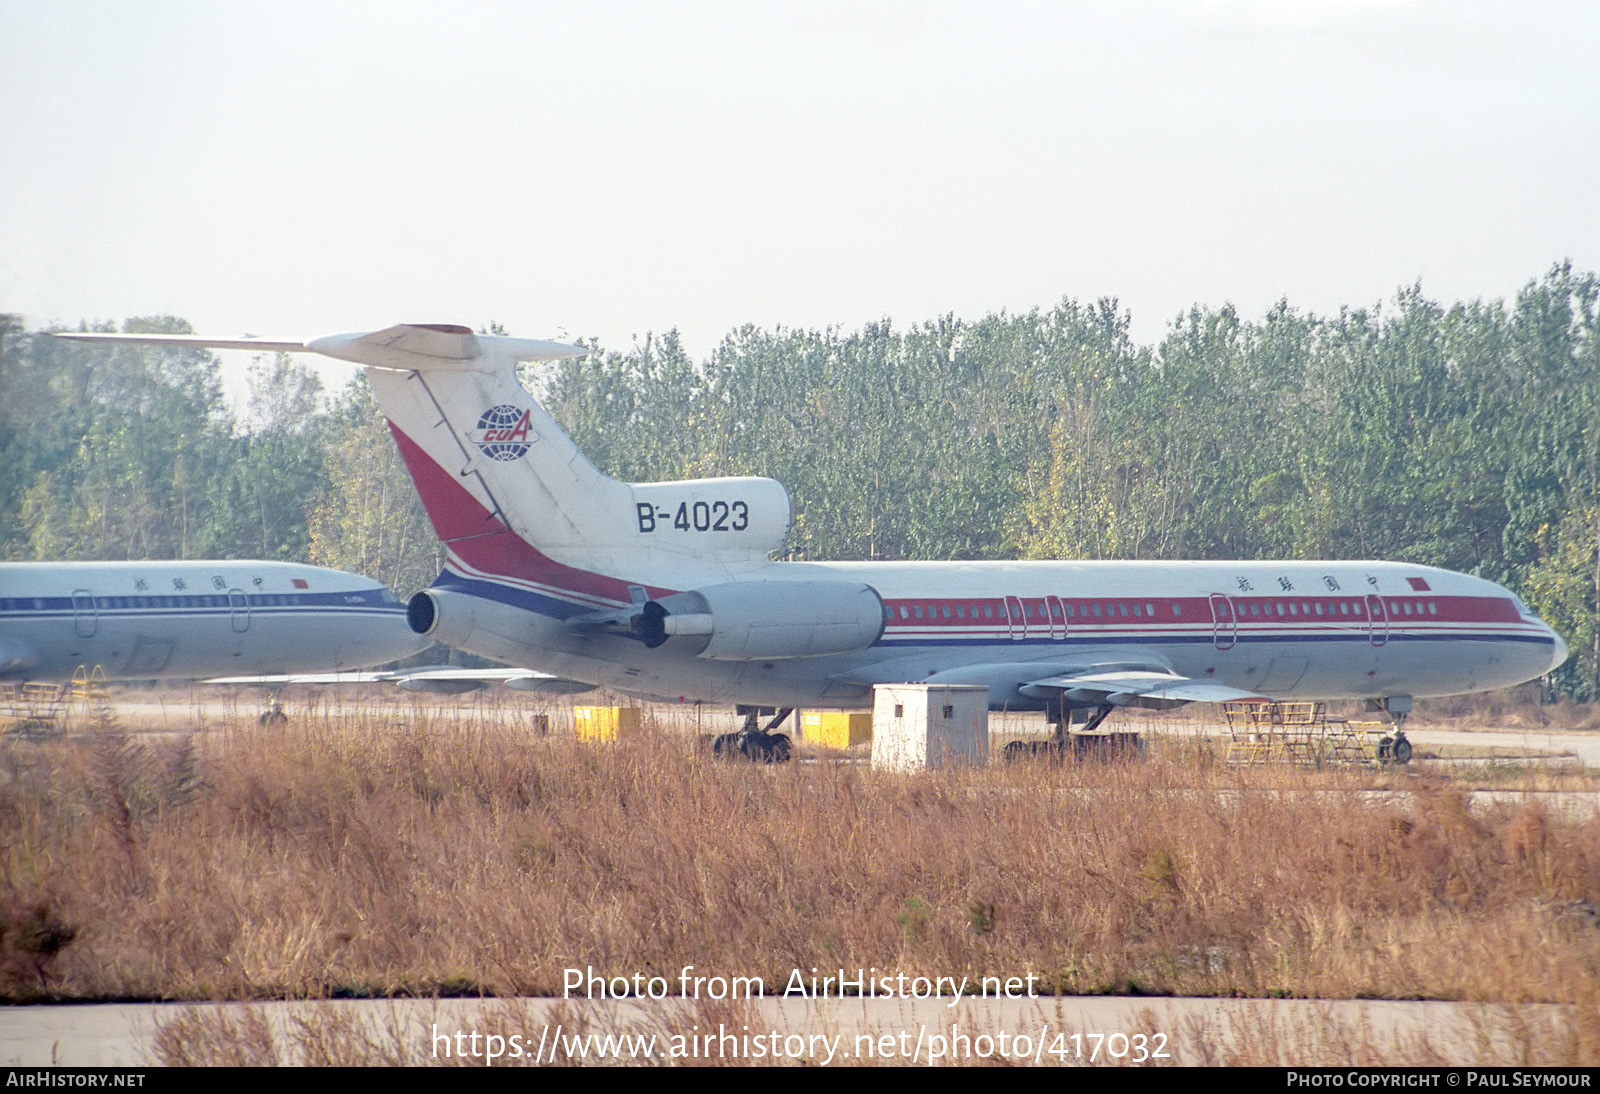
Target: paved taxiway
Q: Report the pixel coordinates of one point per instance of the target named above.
(1185, 1031)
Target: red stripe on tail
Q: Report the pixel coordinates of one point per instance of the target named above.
(482, 541)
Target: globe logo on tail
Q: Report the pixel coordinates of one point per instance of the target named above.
(503, 432)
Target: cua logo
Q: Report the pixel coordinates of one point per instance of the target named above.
(503, 432)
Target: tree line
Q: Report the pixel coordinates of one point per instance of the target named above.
(1465, 436)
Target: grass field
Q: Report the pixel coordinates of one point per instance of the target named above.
(368, 851)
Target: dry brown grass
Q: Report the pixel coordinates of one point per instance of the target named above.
(1510, 709)
(353, 854)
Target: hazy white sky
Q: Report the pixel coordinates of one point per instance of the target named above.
(605, 169)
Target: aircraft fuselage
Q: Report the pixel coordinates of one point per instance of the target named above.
(1326, 630)
(142, 620)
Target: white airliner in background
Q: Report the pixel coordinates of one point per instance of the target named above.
(144, 620)
(667, 590)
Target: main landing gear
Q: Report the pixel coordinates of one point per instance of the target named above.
(1082, 742)
(753, 742)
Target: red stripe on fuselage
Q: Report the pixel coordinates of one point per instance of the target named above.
(1123, 609)
(482, 542)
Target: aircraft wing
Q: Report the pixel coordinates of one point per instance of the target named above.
(435, 678)
(1129, 687)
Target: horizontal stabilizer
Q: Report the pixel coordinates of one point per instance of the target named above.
(193, 341)
(404, 346)
(408, 346)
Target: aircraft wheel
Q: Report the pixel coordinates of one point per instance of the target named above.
(273, 718)
(766, 748)
(1018, 751)
(758, 747)
(1401, 751)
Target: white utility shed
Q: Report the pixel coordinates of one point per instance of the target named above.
(921, 726)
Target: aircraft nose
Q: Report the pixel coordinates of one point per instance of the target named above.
(1558, 656)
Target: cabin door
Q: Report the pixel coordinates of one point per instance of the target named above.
(239, 610)
(1016, 618)
(1377, 621)
(1058, 617)
(1224, 622)
(84, 620)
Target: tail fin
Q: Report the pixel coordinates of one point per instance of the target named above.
(480, 449)
(486, 458)
(507, 491)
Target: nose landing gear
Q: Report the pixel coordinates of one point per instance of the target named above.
(1395, 749)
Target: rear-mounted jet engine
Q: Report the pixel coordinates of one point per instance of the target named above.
(766, 620)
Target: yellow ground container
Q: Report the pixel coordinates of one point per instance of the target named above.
(606, 723)
(837, 728)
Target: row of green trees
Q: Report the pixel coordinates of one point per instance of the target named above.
(131, 452)
(1464, 436)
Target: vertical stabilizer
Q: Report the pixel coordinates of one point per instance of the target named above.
(508, 492)
(487, 460)
(485, 456)
(504, 452)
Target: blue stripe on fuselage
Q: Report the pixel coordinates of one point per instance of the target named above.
(510, 595)
(23, 606)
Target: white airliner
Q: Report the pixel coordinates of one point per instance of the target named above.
(667, 590)
(144, 620)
